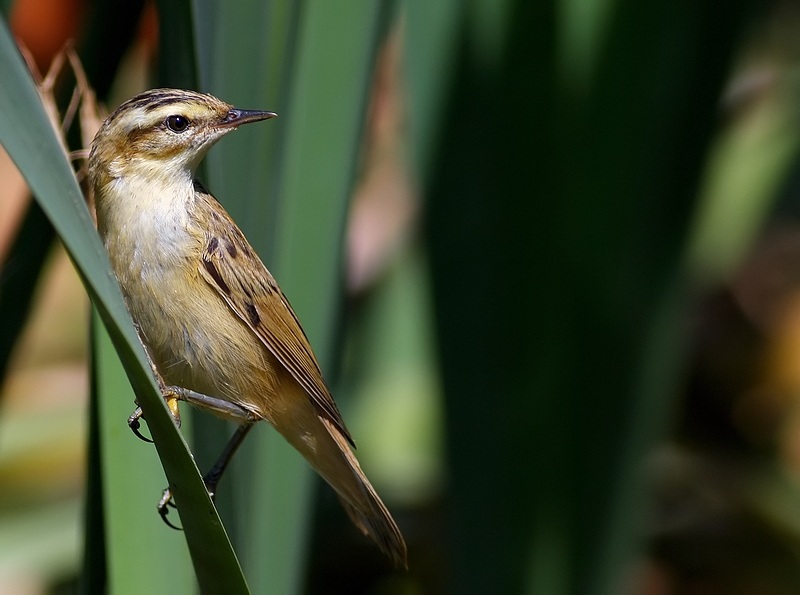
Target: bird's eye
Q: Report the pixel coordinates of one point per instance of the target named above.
(177, 123)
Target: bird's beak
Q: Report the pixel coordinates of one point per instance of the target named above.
(237, 117)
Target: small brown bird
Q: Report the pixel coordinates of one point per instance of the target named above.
(218, 330)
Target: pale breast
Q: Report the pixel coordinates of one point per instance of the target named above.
(195, 339)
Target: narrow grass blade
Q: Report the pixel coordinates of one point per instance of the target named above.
(19, 277)
(143, 555)
(321, 106)
(430, 35)
(239, 59)
(324, 116)
(36, 152)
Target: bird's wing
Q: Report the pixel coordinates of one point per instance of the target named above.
(231, 266)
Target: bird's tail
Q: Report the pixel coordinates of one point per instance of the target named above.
(361, 501)
(329, 453)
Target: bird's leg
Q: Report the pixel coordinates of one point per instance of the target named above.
(170, 395)
(163, 510)
(219, 406)
(134, 425)
(210, 479)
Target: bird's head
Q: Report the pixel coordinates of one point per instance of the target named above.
(163, 132)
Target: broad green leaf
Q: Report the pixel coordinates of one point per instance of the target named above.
(316, 77)
(557, 215)
(325, 112)
(242, 57)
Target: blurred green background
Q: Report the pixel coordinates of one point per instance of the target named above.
(548, 253)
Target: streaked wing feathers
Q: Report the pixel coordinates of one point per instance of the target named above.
(228, 265)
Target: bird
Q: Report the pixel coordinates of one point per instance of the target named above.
(218, 331)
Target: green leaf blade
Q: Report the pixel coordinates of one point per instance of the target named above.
(37, 153)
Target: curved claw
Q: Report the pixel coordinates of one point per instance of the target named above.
(164, 512)
(163, 509)
(134, 425)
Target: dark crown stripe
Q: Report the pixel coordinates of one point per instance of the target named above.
(154, 99)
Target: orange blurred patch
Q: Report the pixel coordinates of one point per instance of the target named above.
(45, 26)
